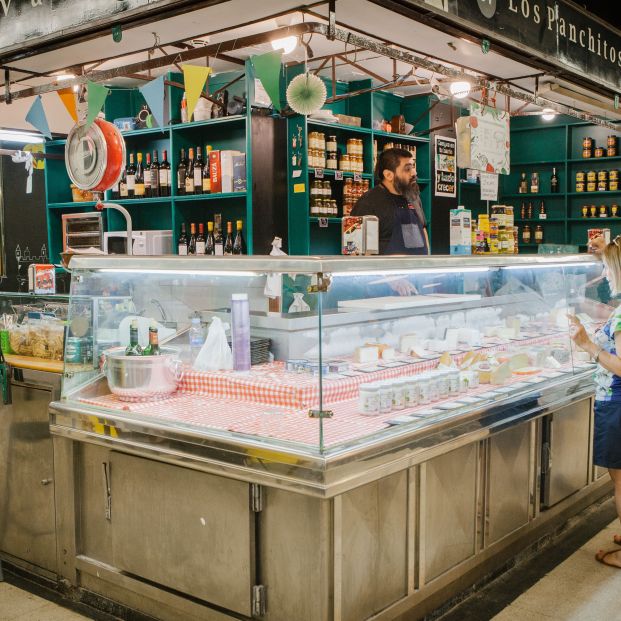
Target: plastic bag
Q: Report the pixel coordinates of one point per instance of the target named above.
(273, 283)
(215, 354)
(299, 305)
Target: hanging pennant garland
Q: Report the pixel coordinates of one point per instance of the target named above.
(36, 117)
(267, 69)
(194, 78)
(96, 94)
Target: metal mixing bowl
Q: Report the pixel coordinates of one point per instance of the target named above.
(142, 378)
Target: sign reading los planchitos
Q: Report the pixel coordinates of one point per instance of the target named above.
(557, 31)
(27, 23)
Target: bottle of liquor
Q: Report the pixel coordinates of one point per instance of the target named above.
(200, 239)
(539, 234)
(542, 211)
(182, 244)
(131, 177)
(523, 188)
(192, 240)
(534, 183)
(189, 173)
(238, 244)
(139, 178)
(198, 171)
(181, 168)
(217, 233)
(228, 244)
(153, 348)
(526, 236)
(123, 185)
(206, 173)
(165, 175)
(155, 176)
(523, 211)
(133, 349)
(554, 184)
(148, 193)
(529, 212)
(210, 243)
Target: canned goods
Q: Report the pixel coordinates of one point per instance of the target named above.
(613, 186)
(592, 175)
(73, 349)
(612, 141)
(602, 175)
(581, 176)
(591, 186)
(599, 152)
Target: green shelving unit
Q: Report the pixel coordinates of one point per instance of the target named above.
(312, 235)
(537, 146)
(232, 132)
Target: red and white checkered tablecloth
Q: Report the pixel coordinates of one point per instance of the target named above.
(272, 384)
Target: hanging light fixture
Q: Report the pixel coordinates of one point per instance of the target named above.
(548, 114)
(459, 90)
(286, 44)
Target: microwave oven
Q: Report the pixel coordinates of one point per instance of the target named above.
(143, 242)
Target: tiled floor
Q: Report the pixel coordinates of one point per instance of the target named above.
(579, 589)
(19, 605)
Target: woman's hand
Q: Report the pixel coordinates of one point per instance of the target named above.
(578, 334)
(403, 287)
(597, 245)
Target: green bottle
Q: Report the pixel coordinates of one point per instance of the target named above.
(133, 349)
(153, 348)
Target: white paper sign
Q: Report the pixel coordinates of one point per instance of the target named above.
(489, 139)
(489, 187)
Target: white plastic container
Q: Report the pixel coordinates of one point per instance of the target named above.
(424, 391)
(369, 399)
(398, 394)
(385, 397)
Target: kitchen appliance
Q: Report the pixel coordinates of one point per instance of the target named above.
(82, 230)
(144, 242)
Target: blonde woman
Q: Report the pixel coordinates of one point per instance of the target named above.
(605, 349)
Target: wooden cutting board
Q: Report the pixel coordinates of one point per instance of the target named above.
(36, 364)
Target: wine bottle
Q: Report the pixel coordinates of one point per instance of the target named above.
(165, 175)
(210, 243)
(200, 239)
(198, 171)
(123, 185)
(153, 348)
(181, 168)
(228, 244)
(217, 233)
(206, 172)
(189, 173)
(147, 177)
(192, 240)
(182, 244)
(238, 244)
(131, 177)
(115, 191)
(133, 349)
(554, 184)
(155, 176)
(139, 178)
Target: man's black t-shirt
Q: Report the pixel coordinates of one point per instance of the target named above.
(379, 202)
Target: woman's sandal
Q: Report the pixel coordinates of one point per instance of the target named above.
(603, 554)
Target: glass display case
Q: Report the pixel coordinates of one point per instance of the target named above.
(359, 351)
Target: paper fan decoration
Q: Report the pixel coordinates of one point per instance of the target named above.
(306, 93)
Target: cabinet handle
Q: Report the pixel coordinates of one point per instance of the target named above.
(107, 494)
(46, 481)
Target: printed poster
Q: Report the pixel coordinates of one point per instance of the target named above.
(446, 167)
(489, 139)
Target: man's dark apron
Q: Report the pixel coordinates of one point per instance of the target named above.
(407, 233)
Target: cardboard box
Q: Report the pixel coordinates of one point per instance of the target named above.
(593, 233)
(41, 278)
(461, 231)
(215, 172)
(239, 173)
(345, 119)
(352, 235)
(226, 169)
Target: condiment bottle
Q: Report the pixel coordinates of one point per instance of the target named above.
(539, 234)
(526, 237)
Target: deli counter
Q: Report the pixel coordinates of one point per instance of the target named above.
(322, 438)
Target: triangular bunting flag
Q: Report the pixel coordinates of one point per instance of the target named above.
(194, 78)
(267, 69)
(96, 94)
(36, 117)
(67, 96)
(153, 93)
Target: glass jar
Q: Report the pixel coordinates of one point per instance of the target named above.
(585, 211)
(593, 211)
(587, 153)
(611, 152)
(592, 175)
(599, 152)
(587, 142)
(581, 176)
(613, 175)
(602, 175)
(580, 186)
(321, 141)
(331, 144)
(602, 186)
(351, 148)
(327, 189)
(345, 164)
(539, 234)
(526, 235)
(603, 211)
(614, 210)
(611, 141)
(332, 162)
(613, 186)
(591, 186)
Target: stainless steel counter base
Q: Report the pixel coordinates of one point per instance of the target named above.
(186, 526)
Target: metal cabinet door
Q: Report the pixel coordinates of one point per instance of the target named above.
(27, 520)
(565, 460)
(187, 530)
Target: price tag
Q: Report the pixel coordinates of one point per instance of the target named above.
(543, 216)
(323, 223)
(319, 173)
(338, 175)
(357, 176)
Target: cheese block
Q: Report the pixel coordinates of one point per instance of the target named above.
(446, 359)
(467, 360)
(501, 373)
(388, 353)
(451, 337)
(367, 353)
(418, 352)
(517, 361)
(506, 333)
(484, 371)
(515, 324)
(552, 363)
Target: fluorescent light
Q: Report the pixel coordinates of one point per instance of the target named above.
(286, 44)
(171, 272)
(435, 270)
(64, 76)
(548, 114)
(9, 135)
(550, 265)
(459, 90)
